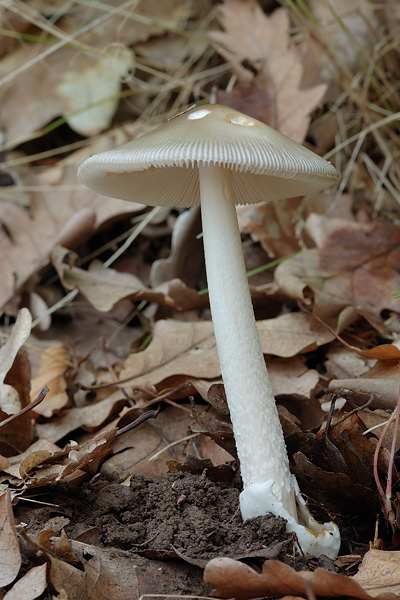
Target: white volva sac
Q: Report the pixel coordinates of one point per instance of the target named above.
(218, 157)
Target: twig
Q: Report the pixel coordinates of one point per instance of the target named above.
(147, 415)
(386, 496)
(27, 408)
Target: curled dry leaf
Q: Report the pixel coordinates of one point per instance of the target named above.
(380, 572)
(17, 435)
(102, 287)
(233, 579)
(98, 574)
(45, 463)
(272, 224)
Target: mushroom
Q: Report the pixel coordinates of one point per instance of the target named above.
(217, 157)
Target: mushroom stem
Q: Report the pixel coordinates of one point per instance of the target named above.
(257, 429)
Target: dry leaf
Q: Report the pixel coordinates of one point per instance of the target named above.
(81, 83)
(348, 31)
(379, 573)
(103, 287)
(54, 361)
(89, 417)
(30, 586)
(379, 393)
(272, 224)
(44, 463)
(9, 398)
(340, 274)
(233, 579)
(250, 35)
(133, 451)
(18, 434)
(188, 349)
(10, 556)
(28, 237)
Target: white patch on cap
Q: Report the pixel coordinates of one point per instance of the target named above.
(199, 114)
(241, 120)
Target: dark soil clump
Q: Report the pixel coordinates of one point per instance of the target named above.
(185, 515)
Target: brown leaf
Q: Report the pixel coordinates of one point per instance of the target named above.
(176, 348)
(272, 224)
(89, 417)
(250, 99)
(103, 287)
(188, 349)
(357, 449)
(17, 436)
(30, 586)
(83, 86)
(44, 463)
(292, 378)
(354, 270)
(379, 573)
(210, 423)
(28, 237)
(380, 392)
(148, 448)
(233, 579)
(54, 361)
(10, 556)
(101, 575)
(336, 491)
(10, 403)
(250, 35)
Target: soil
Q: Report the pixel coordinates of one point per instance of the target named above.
(187, 515)
(173, 525)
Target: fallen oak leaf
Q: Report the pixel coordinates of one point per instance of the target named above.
(233, 579)
(188, 348)
(27, 238)
(89, 417)
(250, 35)
(336, 491)
(336, 276)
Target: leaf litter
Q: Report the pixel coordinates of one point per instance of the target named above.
(128, 464)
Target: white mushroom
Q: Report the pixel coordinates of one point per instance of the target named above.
(217, 157)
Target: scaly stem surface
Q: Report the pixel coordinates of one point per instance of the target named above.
(257, 429)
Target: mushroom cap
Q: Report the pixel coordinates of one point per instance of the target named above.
(160, 168)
